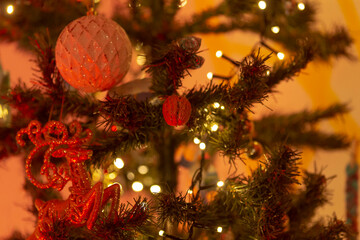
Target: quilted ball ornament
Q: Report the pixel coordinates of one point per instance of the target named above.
(176, 110)
(93, 53)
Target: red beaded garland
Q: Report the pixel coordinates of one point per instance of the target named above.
(176, 110)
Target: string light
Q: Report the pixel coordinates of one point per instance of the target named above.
(196, 140)
(182, 3)
(222, 107)
(190, 191)
(140, 60)
(301, 6)
(130, 176)
(268, 73)
(137, 186)
(161, 233)
(10, 9)
(206, 110)
(210, 75)
(220, 183)
(219, 229)
(275, 29)
(216, 105)
(112, 175)
(2, 115)
(138, 46)
(219, 54)
(142, 169)
(280, 55)
(155, 189)
(202, 146)
(262, 5)
(214, 127)
(96, 175)
(119, 163)
(148, 181)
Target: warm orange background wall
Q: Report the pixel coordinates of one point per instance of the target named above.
(319, 85)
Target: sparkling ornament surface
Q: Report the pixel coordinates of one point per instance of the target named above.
(176, 110)
(254, 150)
(85, 201)
(93, 53)
(190, 44)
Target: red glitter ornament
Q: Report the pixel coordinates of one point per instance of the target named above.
(93, 53)
(176, 110)
(85, 201)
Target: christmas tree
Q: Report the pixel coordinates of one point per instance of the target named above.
(71, 134)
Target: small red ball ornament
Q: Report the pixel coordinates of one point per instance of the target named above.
(176, 110)
(93, 53)
(114, 128)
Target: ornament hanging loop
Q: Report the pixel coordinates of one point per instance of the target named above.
(90, 5)
(91, 11)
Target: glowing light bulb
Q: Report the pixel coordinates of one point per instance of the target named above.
(219, 54)
(10, 9)
(262, 5)
(130, 176)
(202, 146)
(220, 183)
(216, 105)
(5, 112)
(155, 189)
(222, 107)
(161, 233)
(140, 60)
(268, 73)
(119, 163)
(190, 191)
(214, 127)
(182, 3)
(96, 175)
(142, 169)
(280, 55)
(138, 46)
(148, 181)
(210, 75)
(301, 6)
(219, 229)
(275, 29)
(112, 175)
(137, 186)
(196, 140)
(206, 110)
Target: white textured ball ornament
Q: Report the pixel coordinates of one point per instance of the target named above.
(93, 53)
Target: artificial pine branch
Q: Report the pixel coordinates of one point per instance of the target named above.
(298, 128)
(307, 200)
(285, 70)
(255, 206)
